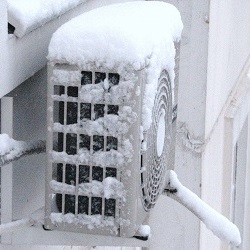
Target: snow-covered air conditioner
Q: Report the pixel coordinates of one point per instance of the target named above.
(111, 119)
(112, 95)
(112, 106)
(105, 172)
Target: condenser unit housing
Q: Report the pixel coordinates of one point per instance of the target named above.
(104, 173)
(106, 168)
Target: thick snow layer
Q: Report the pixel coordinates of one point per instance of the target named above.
(15, 225)
(216, 222)
(122, 37)
(26, 15)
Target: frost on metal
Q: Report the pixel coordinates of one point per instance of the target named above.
(91, 115)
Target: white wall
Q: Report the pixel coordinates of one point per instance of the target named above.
(218, 168)
(29, 123)
(229, 48)
(228, 52)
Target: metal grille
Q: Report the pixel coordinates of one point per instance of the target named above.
(70, 112)
(155, 160)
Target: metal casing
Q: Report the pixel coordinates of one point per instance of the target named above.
(84, 149)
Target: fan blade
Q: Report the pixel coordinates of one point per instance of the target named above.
(12, 150)
(217, 223)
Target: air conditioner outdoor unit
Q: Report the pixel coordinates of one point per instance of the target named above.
(105, 173)
(112, 105)
(108, 146)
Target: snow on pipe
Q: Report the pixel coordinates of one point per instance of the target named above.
(15, 225)
(217, 223)
(11, 150)
(35, 218)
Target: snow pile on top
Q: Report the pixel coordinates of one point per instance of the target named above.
(134, 35)
(217, 223)
(26, 15)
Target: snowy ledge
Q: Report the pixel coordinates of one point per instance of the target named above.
(26, 15)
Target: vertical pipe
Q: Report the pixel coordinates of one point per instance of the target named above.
(6, 171)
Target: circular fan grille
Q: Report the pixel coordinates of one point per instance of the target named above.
(154, 161)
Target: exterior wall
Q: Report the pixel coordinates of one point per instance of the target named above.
(227, 106)
(228, 51)
(220, 168)
(29, 123)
